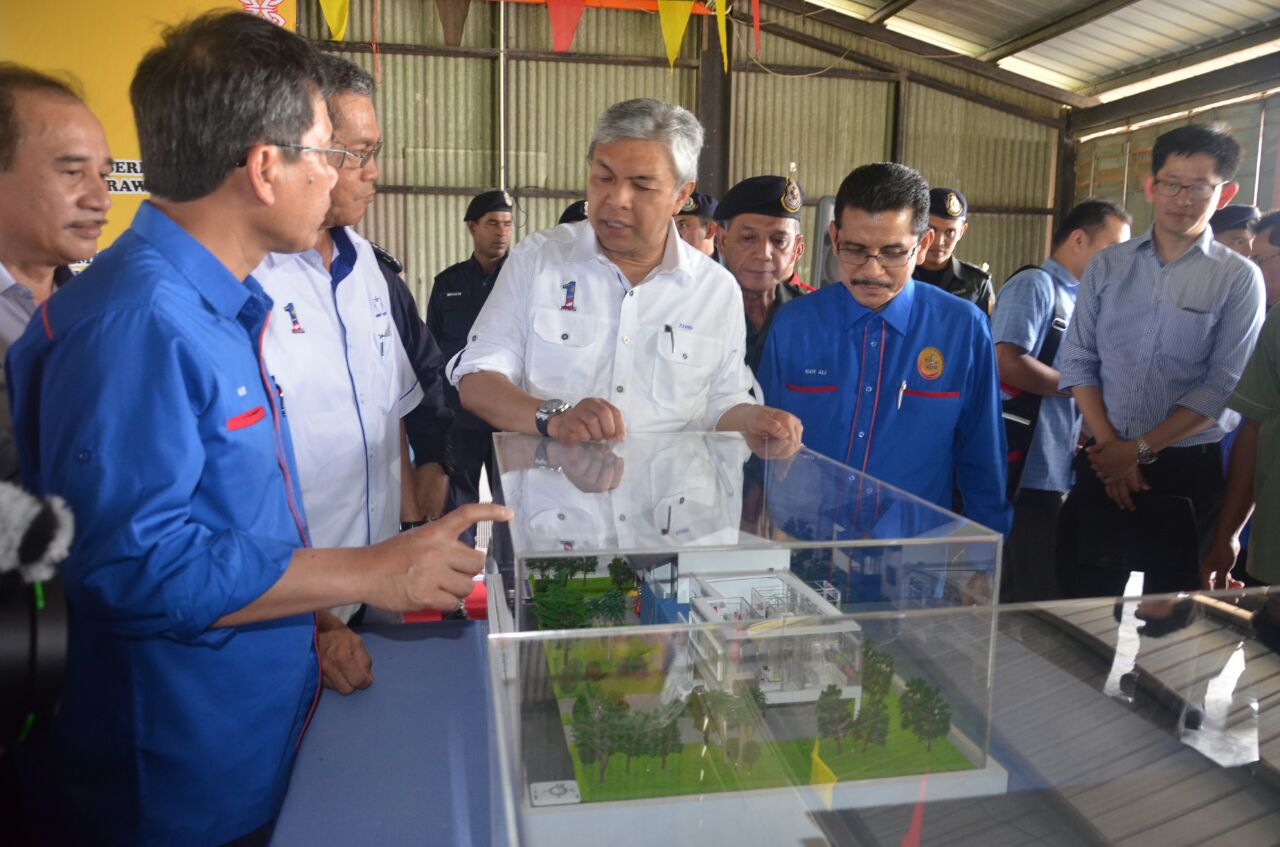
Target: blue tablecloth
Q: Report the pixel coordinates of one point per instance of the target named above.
(405, 761)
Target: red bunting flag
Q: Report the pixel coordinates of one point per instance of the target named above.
(565, 16)
(755, 22)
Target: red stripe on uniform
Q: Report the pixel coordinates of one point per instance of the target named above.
(811, 389)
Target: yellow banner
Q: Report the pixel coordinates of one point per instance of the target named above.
(674, 16)
(100, 43)
(821, 777)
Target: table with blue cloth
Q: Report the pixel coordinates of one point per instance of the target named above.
(405, 761)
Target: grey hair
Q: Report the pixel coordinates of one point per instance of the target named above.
(653, 120)
(342, 76)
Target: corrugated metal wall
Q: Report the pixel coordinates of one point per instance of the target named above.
(1114, 165)
(440, 118)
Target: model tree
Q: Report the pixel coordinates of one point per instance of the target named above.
(637, 735)
(871, 726)
(610, 608)
(624, 579)
(925, 712)
(698, 714)
(560, 607)
(877, 673)
(835, 716)
(750, 754)
(668, 740)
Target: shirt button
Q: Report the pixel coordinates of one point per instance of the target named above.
(474, 337)
(564, 336)
(622, 517)
(867, 389)
(619, 389)
(862, 435)
(626, 339)
(873, 344)
(631, 293)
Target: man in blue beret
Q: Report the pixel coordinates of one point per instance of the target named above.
(696, 223)
(457, 296)
(760, 243)
(948, 221)
(1235, 227)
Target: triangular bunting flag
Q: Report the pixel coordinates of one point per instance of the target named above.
(674, 15)
(565, 16)
(821, 776)
(336, 13)
(453, 17)
(755, 22)
(724, 37)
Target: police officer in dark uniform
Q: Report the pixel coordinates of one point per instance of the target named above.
(696, 223)
(948, 211)
(760, 243)
(456, 298)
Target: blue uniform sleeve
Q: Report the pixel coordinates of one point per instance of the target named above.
(114, 410)
(980, 442)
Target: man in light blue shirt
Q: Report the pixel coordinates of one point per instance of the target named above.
(1020, 324)
(1163, 327)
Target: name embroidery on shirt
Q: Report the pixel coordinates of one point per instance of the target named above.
(293, 318)
(379, 308)
(570, 288)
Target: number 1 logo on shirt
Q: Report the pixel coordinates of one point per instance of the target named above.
(569, 288)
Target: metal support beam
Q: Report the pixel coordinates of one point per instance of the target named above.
(1075, 20)
(888, 10)
(494, 53)
(714, 108)
(1245, 78)
(910, 76)
(1254, 37)
(898, 138)
(932, 51)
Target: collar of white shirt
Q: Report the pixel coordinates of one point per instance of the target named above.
(674, 261)
(7, 280)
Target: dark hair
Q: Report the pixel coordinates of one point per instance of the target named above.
(1089, 215)
(886, 187)
(217, 85)
(1269, 222)
(14, 78)
(1214, 140)
(342, 76)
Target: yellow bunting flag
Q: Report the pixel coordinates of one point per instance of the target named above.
(674, 15)
(724, 36)
(821, 776)
(336, 13)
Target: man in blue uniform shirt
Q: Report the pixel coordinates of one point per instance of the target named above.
(457, 295)
(890, 376)
(140, 396)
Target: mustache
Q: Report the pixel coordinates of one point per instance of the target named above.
(870, 283)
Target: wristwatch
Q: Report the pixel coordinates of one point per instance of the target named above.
(1146, 455)
(548, 410)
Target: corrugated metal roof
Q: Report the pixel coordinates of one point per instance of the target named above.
(1084, 46)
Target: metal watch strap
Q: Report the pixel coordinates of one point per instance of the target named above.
(1146, 455)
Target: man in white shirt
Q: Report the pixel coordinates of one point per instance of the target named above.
(615, 324)
(344, 377)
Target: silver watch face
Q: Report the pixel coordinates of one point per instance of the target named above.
(552, 407)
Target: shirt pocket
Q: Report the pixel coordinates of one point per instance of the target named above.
(682, 370)
(561, 358)
(1188, 334)
(929, 410)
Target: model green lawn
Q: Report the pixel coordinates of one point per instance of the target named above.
(700, 769)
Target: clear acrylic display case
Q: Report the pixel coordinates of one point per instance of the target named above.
(1107, 721)
(717, 528)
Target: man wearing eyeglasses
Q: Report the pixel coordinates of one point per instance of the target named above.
(1163, 326)
(342, 368)
(894, 377)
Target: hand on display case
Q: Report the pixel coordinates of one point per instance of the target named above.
(590, 467)
(591, 419)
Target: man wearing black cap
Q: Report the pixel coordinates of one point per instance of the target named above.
(948, 211)
(457, 296)
(760, 243)
(1235, 226)
(574, 212)
(696, 223)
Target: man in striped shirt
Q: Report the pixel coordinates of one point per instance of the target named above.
(1163, 326)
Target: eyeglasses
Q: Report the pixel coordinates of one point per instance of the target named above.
(335, 156)
(1196, 191)
(362, 158)
(856, 257)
